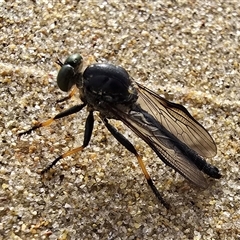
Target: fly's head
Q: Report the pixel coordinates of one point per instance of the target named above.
(103, 82)
(70, 73)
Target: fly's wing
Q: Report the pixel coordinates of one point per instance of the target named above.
(177, 120)
(165, 145)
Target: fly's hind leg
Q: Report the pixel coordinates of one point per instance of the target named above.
(125, 142)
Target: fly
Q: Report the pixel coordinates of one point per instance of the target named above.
(168, 128)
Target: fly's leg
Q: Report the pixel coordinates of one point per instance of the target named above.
(125, 142)
(68, 112)
(87, 136)
(70, 95)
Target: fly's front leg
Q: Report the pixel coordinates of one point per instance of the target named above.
(68, 112)
(70, 95)
(87, 137)
(125, 142)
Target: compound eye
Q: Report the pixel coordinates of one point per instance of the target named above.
(66, 77)
(74, 60)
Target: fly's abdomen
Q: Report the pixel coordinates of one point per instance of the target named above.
(170, 149)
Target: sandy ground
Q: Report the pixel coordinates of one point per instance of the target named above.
(188, 51)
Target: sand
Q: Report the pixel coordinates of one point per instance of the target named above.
(187, 51)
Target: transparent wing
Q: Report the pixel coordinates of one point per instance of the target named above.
(177, 120)
(168, 148)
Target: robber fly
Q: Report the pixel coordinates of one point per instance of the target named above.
(168, 128)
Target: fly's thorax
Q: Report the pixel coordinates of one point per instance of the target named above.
(103, 82)
(102, 102)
